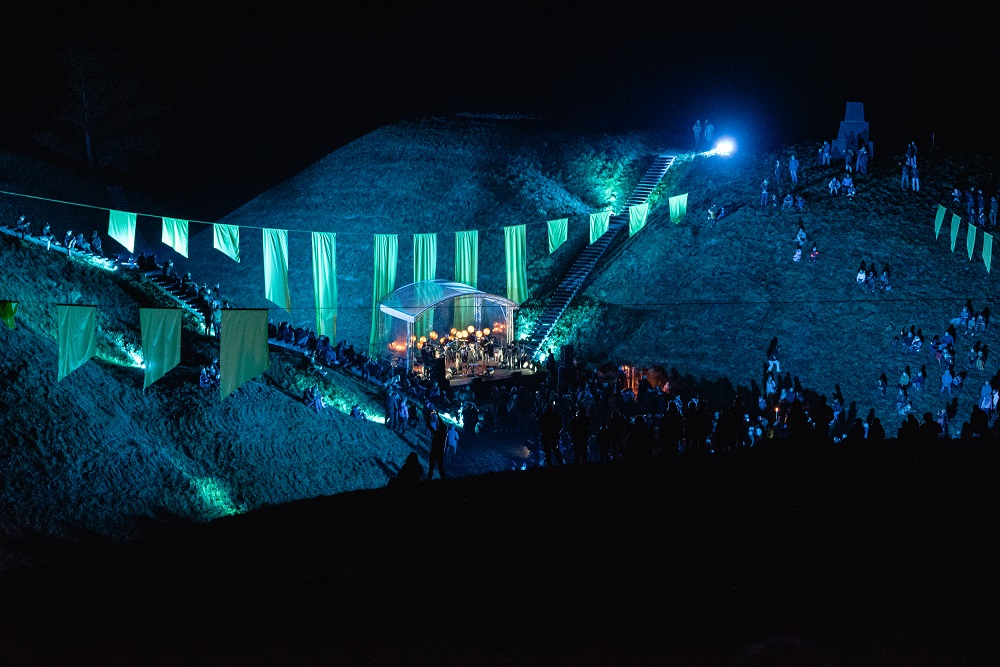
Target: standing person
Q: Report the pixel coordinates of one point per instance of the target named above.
(451, 441)
(848, 159)
(709, 132)
(696, 128)
(439, 435)
(551, 426)
(579, 431)
(793, 169)
(763, 193)
(390, 405)
(826, 153)
(402, 416)
(772, 356)
(777, 171)
(905, 180)
(915, 178)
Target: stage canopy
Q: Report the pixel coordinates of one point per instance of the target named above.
(405, 305)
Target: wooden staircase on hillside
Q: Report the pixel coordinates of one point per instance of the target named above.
(591, 255)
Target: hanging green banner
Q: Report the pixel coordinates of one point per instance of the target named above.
(987, 250)
(226, 239)
(678, 208)
(7, 311)
(324, 266)
(467, 273)
(386, 254)
(970, 240)
(599, 223)
(955, 224)
(424, 268)
(175, 235)
(243, 353)
(161, 341)
(77, 337)
(516, 258)
(637, 218)
(276, 268)
(121, 227)
(939, 220)
(558, 232)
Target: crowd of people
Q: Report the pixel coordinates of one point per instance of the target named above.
(70, 242)
(975, 206)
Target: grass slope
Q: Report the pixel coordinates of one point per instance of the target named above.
(95, 452)
(436, 175)
(707, 297)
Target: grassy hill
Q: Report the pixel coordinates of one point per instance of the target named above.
(711, 295)
(95, 453)
(435, 175)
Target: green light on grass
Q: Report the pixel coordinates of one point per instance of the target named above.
(214, 495)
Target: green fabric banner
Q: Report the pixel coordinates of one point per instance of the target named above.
(558, 231)
(243, 353)
(175, 235)
(276, 268)
(161, 341)
(515, 255)
(424, 268)
(386, 255)
(987, 250)
(7, 311)
(121, 227)
(637, 218)
(599, 223)
(955, 223)
(324, 265)
(77, 337)
(970, 240)
(467, 273)
(226, 239)
(939, 220)
(678, 207)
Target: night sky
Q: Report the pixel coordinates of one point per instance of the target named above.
(251, 97)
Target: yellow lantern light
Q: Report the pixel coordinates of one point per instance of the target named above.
(471, 328)
(413, 339)
(453, 331)
(423, 339)
(434, 335)
(486, 331)
(479, 334)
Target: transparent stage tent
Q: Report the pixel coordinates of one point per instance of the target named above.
(435, 313)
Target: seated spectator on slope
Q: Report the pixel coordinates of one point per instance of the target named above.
(847, 181)
(356, 413)
(920, 378)
(69, 241)
(797, 255)
(850, 193)
(800, 203)
(800, 236)
(883, 281)
(883, 385)
(834, 186)
(862, 273)
(722, 213)
(313, 398)
(23, 226)
(47, 236)
(787, 202)
(956, 196)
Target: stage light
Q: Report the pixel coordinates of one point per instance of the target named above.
(724, 146)
(423, 339)
(471, 329)
(486, 331)
(434, 335)
(453, 331)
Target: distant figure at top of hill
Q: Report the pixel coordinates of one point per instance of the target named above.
(793, 169)
(696, 128)
(763, 193)
(709, 132)
(47, 236)
(777, 171)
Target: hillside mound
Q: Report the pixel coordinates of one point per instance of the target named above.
(95, 453)
(714, 293)
(435, 175)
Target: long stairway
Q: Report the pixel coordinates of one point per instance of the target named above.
(592, 254)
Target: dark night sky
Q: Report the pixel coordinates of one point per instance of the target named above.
(253, 97)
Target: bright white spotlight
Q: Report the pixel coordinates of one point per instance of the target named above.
(724, 146)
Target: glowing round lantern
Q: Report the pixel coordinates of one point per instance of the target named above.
(486, 331)
(471, 328)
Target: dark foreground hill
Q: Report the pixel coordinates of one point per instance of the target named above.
(799, 557)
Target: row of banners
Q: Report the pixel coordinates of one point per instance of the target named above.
(226, 239)
(970, 236)
(243, 346)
